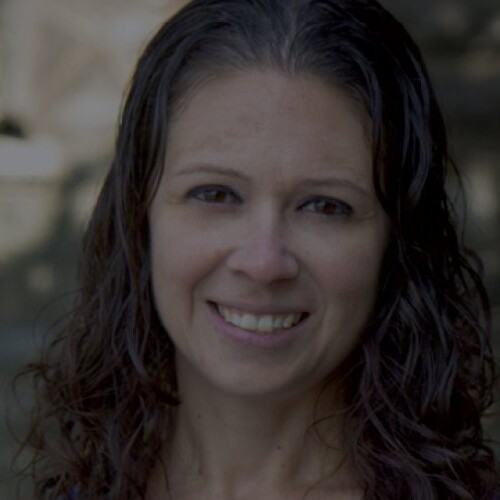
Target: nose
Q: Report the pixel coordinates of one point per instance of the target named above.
(262, 256)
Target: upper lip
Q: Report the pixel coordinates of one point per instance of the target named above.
(259, 309)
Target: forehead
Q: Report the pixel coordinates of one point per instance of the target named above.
(231, 90)
(272, 118)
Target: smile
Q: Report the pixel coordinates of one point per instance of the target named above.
(265, 323)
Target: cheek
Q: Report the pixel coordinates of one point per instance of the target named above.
(179, 262)
(350, 269)
(349, 282)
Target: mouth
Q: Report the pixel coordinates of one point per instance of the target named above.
(259, 323)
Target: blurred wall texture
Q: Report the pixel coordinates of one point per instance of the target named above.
(63, 67)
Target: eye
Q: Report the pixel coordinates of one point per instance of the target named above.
(218, 195)
(327, 206)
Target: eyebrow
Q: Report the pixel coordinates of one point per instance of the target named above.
(328, 181)
(334, 182)
(212, 169)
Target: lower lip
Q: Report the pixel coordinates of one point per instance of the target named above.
(251, 338)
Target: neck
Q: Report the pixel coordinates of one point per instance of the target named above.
(234, 446)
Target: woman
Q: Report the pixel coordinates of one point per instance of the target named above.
(274, 303)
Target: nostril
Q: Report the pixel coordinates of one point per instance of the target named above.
(263, 262)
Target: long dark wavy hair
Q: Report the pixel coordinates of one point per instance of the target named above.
(422, 376)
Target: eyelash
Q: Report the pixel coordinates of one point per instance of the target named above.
(221, 195)
(328, 207)
(210, 195)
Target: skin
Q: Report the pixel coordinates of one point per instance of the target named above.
(266, 205)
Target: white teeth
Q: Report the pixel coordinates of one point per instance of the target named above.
(249, 322)
(288, 321)
(265, 324)
(278, 322)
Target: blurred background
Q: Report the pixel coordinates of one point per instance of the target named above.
(64, 65)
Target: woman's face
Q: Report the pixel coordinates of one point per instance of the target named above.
(266, 233)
